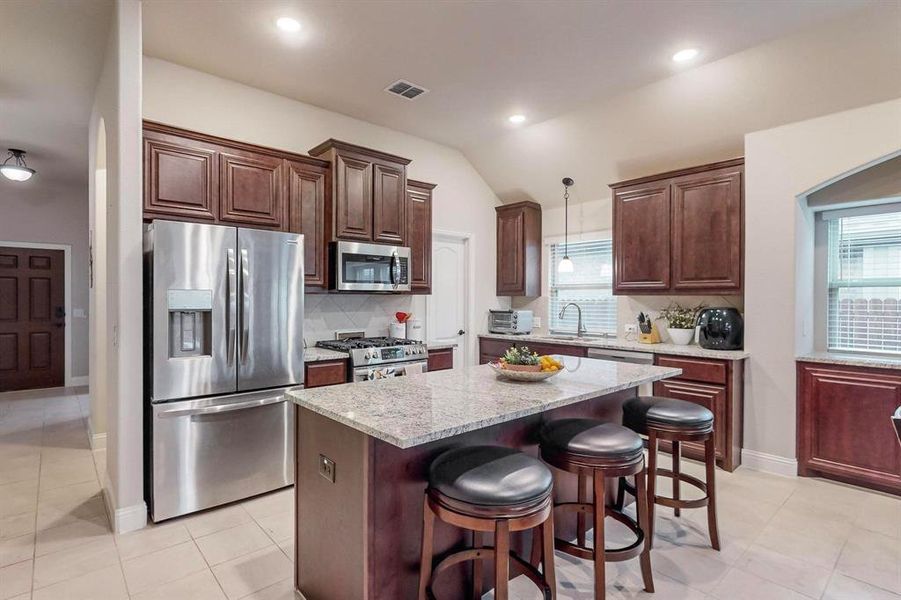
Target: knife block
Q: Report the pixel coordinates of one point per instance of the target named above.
(650, 338)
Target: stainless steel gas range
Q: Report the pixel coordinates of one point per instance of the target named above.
(381, 357)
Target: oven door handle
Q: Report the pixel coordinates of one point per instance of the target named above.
(221, 408)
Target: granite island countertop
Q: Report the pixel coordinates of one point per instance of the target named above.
(851, 360)
(620, 344)
(417, 409)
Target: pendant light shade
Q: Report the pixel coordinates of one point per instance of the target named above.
(17, 170)
(566, 265)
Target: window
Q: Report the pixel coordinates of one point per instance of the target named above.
(864, 280)
(590, 285)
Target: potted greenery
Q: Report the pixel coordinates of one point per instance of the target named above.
(680, 322)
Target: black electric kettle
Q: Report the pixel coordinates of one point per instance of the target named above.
(720, 329)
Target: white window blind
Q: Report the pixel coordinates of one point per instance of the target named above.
(864, 283)
(590, 285)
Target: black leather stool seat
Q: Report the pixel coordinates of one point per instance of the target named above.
(490, 476)
(591, 438)
(640, 412)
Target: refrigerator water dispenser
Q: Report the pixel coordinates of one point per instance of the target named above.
(190, 320)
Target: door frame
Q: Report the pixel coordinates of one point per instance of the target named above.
(466, 350)
(68, 380)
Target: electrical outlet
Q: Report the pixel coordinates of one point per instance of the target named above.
(630, 328)
(327, 468)
(536, 321)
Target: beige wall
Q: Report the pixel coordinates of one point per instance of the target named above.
(117, 101)
(462, 201)
(56, 214)
(783, 164)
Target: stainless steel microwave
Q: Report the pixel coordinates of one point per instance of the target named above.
(363, 267)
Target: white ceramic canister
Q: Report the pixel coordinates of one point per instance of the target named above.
(414, 329)
(398, 330)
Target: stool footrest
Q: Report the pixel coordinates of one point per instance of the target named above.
(690, 480)
(612, 554)
(488, 553)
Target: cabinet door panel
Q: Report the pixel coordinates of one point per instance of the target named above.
(844, 425)
(641, 239)
(318, 374)
(510, 258)
(419, 238)
(707, 231)
(251, 188)
(712, 397)
(306, 215)
(353, 198)
(388, 204)
(179, 180)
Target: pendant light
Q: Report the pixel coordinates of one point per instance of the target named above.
(566, 265)
(18, 170)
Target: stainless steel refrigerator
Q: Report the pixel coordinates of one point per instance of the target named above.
(223, 341)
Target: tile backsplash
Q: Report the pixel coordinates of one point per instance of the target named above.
(371, 313)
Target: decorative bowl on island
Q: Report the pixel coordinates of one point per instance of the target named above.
(521, 364)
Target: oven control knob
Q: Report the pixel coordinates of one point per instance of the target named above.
(408, 352)
(419, 351)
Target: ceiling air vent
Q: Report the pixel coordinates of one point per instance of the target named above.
(405, 89)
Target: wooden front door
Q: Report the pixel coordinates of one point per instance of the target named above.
(32, 318)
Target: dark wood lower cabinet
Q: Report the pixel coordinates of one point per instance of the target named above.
(441, 360)
(326, 372)
(845, 429)
(716, 385)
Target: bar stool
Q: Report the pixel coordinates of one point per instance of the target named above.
(677, 421)
(489, 489)
(596, 450)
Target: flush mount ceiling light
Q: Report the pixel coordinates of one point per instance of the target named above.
(566, 265)
(288, 24)
(517, 119)
(17, 170)
(685, 55)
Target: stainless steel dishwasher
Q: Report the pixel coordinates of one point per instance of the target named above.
(629, 356)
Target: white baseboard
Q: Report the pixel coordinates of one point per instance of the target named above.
(769, 463)
(98, 441)
(127, 518)
(77, 381)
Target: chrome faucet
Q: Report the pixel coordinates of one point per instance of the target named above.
(580, 329)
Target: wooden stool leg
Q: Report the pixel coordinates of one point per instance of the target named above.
(677, 469)
(642, 504)
(501, 559)
(477, 576)
(600, 572)
(620, 494)
(537, 545)
(710, 463)
(580, 517)
(652, 485)
(425, 560)
(547, 555)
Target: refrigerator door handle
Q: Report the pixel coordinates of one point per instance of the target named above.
(245, 305)
(231, 313)
(221, 408)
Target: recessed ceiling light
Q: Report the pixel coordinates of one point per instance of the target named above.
(686, 54)
(517, 119)
(288, 24)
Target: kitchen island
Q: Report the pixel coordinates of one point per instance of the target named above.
(363, 451)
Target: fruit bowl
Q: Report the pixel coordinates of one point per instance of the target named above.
(516, 375)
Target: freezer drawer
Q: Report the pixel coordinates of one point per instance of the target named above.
(217, 450)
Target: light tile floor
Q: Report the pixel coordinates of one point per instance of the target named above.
(782, 538)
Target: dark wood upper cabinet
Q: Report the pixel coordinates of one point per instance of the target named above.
(641, 238)
(419, 234)
(388, 204)
(353, 199)
(306, 190)
(368, 199)
(844, 427)
(251, 190)
(680, 232)
(180, 178)
(519, 249)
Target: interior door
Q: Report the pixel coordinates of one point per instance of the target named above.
(270, 346)
(447, 310)
(194, 304)
(32, 318)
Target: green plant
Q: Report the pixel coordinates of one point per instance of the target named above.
(679, 317)
(520, 356)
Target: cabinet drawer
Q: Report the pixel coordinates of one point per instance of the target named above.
(327, 372)
(697, 369)
(439, 360)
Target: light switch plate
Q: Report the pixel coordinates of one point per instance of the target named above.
(327, 468)
(630, 328)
